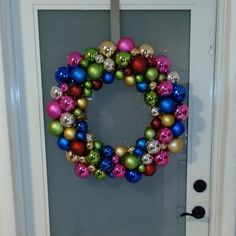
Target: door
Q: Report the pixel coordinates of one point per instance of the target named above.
(62, 204)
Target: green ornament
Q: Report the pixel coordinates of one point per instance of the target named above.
(78, 112)
(99, 174)
(90, 54)
(87, 92)
(151, 73)
(149, 133)
(123, 59)
(151, 98)
(93, 157)
(88, 84)
(55, 128)
(95, 71)
(84, 63)
(141, 168)
(161, 77)
(131, 161)
(139, 78)
(119, 74)
(98, 145)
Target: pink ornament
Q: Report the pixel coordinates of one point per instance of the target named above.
(181, 112)
(125, 44)
(67, 103)
(54, 110)
(161, 159)
(73, 59)
(64, 87)
(115, 159)
(165, 88)
(165, 135)
(163, 63)
(118, 171)
(81, 170)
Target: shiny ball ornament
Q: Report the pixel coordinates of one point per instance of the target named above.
(89, 137)
(81, 170)
(87, 92)
(106, 165)
(138, 151)
(62, 75)
(55, 128)
(88, 84)
(63, 143)
(167, 120)
(155, 123)
(154, 111)
(82, 159)
(98, 145)
(97, 84)
(84, 63)
(161, 77)
(134, 52)
(99, 174)
(161, 159)
(125, 44)
(82, 126)
(128, 71)
(130, 149)
(67, 103)
(80, 136)
(64, 87)
(54, 110)
(123, 59)
(149, 133)
(95, 71)
(165, 88)
(147, 159)
(67, 119)
(77, 112)
(151, 98)
(167, 105)
(107, 151)
(108, 78)
(78, 75)
(120, 151)
(93, 157)
(115, 159)
(99, 59)
(139, 64)
(133, 176)
(107, 48)
(176, 145)
(131, 161)
(69, 157)
(146, 49)
(173, 76)
(141, 142)
(90, 54)
(139, 78)
(178, 128)
(153, 85)
(179, 93)
(153, 146)
(163, 63)
(142, 87)
(73, 59)
(75, 91)
(118, 171)
(91, 168)
(109, 65)
(89, 145)
(69, 133)
(165, 135)
(181, 112)
(56, 93)
(151, 74)
(150, 170)
(119, 74)
(130, 80)
(78, 148)
(141, 168)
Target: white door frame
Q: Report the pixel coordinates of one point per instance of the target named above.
(11, 170)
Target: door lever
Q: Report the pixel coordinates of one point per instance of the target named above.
(198, 212)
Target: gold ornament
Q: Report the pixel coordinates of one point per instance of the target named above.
(82, 159)
(134, 52)
(120, 151)
(167, 120)
(176, 145)
(82, 103)
(89, 145)
(107, 48)
(146, 49)
(69, 156)
(153, 85)
(69, 133)
(130, 80)
(91, 168)
(163, 146)
(130, 149)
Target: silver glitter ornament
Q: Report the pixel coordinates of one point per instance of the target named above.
(99, 59)
(153, 146)
(147, 159)
(109, 65)
(173, 76)
(56, 93)
(67, 119)
(154, 111)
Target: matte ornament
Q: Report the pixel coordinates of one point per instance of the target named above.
(150, 170)
(54, 110)
(131, 161)
(78, 148)
(125, 44)
(167, 120)
(55, 128)
(176, 145)
(95, 71)
(75, 91)
(139, 64)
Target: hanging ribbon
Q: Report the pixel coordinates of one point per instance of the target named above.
(115, 20)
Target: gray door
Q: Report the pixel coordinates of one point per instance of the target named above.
(114, 207)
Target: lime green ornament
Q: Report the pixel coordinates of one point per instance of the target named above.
(88, 84)
(149, 133)
(139, 78)
(84, 63)
(95, 71)
(87, 92)
(55, 128)
(141, 168)
(119, 74)
(93, 157)
(78, 112)
(99, 174)
(123, 59)
(90, 54)
(98, 145)
(151, 98)
(131, 161)
(151, 73)
(161, 77)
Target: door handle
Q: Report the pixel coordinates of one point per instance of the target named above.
(198, 212)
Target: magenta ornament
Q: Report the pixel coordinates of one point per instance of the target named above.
(115, 159)
(54, 110)
(125, 44)
(161, 159)
(163, 63)
(181, 112)
(73, 59)
(165, 88)
(64, 87)
(67, 103)
(118, 171)
(165, 135)
(81, 170)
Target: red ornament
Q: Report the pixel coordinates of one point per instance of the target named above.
(156, 123)
(150, 170)
(152, 61)
(75, 91)
(128, 71)
(97, 84)
(78, 148)
(139, 64)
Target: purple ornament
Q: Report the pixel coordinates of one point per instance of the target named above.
(54, 110)
(163, 63)
(67, 103)
(161, 159)
(64, 87)
(165, 88)
(81, 170)
(165, 135)
(73, 59)
(125, 44)
(181, 112)
(115, 159)
(118, 171)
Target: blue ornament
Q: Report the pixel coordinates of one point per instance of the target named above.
(167, 105)
(111, 175)
(107, 151)
(63, 143)
(80, 135)
(106, 165)
(108, 78)
(178, 128)
(142, 87)
(133, 176)
(78, 75)
(62, 75)
(141, 142)
(82, 126)
(179, 93)
(138, 151)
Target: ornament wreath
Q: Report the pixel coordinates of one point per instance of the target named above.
(136, 66)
